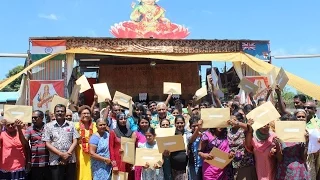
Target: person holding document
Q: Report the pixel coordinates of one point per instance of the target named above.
(151, 171)
(165, 123)
(214, 138)
(179, 159)
(261, 143)
(121, 130)
(243, 163)
(291, 160)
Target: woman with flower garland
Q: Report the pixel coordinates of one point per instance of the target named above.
(86, 128)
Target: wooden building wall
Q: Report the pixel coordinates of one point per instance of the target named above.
(142, 78)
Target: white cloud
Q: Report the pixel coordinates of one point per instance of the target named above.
(48, 16)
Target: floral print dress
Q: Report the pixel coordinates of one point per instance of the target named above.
(292, 166)
(236, 142)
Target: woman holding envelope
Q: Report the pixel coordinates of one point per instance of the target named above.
(155, 172)
(214, 138)
(243, 162)
(86, 128)
(263, 145)
(292, 160)
(100, 153)
(179, 159)
(121, 130)
(165, 123)
(143, 124)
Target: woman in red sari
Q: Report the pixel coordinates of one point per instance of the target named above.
(115, 146)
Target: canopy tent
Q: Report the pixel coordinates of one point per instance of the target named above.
(237, 59)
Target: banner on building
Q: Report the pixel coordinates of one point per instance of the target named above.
(262, 83)
(42, 92)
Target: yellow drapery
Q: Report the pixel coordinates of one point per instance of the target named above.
(256, 64)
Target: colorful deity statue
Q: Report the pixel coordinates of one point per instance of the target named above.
(148, 21)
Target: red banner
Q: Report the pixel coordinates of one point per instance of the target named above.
(42, 92)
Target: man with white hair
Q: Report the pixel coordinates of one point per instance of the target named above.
(162, 114)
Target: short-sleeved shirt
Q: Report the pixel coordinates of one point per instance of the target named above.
(61, 137)
(155, 122)
(39, 151)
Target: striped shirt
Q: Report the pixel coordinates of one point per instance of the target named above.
(39, 152)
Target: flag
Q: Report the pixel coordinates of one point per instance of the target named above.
(248, 46)
(43, 48)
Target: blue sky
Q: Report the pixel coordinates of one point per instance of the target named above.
(292, 28)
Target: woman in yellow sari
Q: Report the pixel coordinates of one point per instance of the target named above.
(86, 128)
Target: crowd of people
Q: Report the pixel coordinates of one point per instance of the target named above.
(86, 144)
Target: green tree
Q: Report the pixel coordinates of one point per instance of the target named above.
(14, 85)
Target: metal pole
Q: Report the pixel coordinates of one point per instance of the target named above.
(12, 55)
(297, 56)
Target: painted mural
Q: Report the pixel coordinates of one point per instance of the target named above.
(147, 20)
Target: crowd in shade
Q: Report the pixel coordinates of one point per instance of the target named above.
(86, 145)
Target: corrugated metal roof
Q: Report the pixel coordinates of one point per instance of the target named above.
(8, 96)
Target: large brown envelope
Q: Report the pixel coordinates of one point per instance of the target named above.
(128, 146)
(151, 156)
(263, 115)
(172, 88)
(120, 176)
(282, 79)
(291, 131)
(248, 86)
(102, 91)
(122, 99)
(165, 132)
(220, 158)
(272, 77)
(13, 112)
(200, 93)
(75, 93)
(83, 82)
(171, 143)
(58, 100)
(215, 117)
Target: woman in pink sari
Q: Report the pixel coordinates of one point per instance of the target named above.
(263, 144)
(214, 138)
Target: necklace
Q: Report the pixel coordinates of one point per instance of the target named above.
(84, 141)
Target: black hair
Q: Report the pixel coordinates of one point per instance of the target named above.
(247, 108)
(193, 119)
(151, 131)
(181, 117)
(143, 117)
(60, 106)
(260, 100)
(140, 107)
(301, 97)
(165, 120)
(39, 112)
(239, 116)
(287, 117)
(151, 102)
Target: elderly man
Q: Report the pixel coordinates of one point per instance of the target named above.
(162, 114)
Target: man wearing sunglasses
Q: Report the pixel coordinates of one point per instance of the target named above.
(40, 154)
